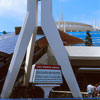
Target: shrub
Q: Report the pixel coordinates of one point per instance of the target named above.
(4, 32)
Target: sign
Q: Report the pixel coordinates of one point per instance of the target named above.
(46, 74)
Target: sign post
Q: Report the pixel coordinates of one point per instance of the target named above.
(46, 77)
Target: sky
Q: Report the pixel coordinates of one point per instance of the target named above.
(12, 12)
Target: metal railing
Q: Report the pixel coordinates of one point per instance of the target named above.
(39, 54)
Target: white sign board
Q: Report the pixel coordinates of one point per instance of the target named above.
(46, 74)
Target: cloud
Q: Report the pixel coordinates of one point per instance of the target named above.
(12, 8)
(97, 12)
(63, 0)
(15, 9)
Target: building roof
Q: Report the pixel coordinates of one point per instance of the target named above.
(83, 52)
(69, 39)
(74, 23)
(7, 45)
(66, 38)
(83, 56)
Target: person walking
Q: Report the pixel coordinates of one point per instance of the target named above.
(90, 90)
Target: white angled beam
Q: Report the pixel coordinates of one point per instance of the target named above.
(54, 40)
(30, 52)
(29, 57)
(20, 49)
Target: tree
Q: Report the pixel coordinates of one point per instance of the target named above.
(88, 39)
(4, 32)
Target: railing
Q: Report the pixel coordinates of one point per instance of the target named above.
(39, 54)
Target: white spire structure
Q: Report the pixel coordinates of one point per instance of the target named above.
(61, 19)
(98, 25)
(58, 26)
(94, 25)
(27, 36)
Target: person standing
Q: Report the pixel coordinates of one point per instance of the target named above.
(98, 89)
(90, 90)
(95, 91)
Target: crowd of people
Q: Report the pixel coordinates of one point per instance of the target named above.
(93, 91)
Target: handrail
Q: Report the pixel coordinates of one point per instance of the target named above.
(39, 53)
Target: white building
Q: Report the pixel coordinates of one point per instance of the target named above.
(73, 26)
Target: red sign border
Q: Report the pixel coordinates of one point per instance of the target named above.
(50, 67)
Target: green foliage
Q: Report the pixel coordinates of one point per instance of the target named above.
(4, 32)
(88, 39)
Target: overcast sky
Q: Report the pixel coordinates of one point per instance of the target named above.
(12, 12)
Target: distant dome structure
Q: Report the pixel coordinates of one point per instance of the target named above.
(67, 26)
